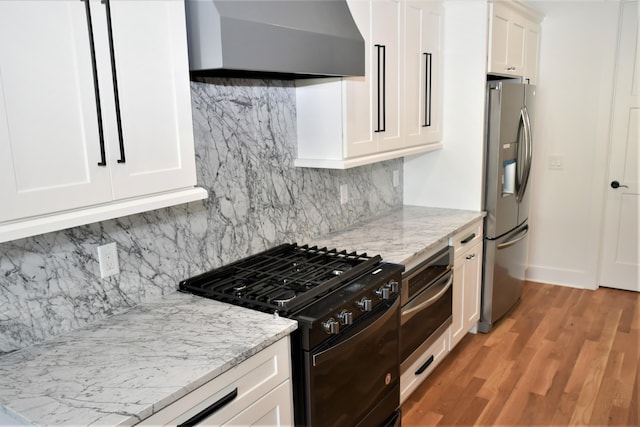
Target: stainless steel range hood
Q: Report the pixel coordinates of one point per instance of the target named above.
(287, 39)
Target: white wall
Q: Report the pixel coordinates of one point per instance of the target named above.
(574, 93)
(452, 177)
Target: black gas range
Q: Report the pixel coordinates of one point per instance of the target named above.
(345, 352)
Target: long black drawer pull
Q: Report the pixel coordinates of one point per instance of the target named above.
(92, 47)
(425, 365)
(427, 88)
(469, 238)
(115, 80)
(210, 410)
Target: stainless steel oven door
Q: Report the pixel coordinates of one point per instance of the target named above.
(356, 377)
(424, 318)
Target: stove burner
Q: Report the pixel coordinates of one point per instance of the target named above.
(282, 300)
(283, 279)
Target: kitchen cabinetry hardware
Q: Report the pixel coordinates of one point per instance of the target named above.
(427, 88)
(116, 96)
(511, 68)
(616, 184)
(469, 238)
(382, 87)
(92, 47)
(212, 409)
(472, 256)
(426, 364)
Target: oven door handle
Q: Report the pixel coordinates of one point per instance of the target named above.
(343, 346)
(426, 298)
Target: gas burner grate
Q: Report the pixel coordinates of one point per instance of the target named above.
(282, 279)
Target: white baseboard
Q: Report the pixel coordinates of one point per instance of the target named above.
(562, 277)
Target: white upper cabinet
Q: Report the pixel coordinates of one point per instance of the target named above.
(514, 32)
(354, 121)
(94, 109)
(423, 81)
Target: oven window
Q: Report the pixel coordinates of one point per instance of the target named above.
(418, 328)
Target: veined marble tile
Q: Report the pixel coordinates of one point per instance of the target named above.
(245, 139)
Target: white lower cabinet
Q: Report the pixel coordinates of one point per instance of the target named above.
(255, 392)
(417, 373)
(467, 279)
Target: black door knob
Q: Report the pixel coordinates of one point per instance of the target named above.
(616, 184)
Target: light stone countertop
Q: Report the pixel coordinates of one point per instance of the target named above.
(403, 236)
(128, 366)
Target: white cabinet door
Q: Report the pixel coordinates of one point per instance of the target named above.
(49, 137)
(151, 69)
(467, 281)
(507, 31)
(360, 118)
(275, 409)
(467, 276)
(373, 101)
(423, 43)
(386, 35)
(532, 53)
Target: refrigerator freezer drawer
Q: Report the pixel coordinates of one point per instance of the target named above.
(505, 265)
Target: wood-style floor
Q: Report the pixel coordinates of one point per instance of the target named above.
(562, 357)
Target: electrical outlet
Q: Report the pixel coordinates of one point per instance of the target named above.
(396, 178)
(108, 259)
(344, 194)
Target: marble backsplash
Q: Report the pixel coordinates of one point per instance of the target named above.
(245, 147)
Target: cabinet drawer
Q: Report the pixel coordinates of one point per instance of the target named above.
(410, 379)
(252, 379)
(467, 238)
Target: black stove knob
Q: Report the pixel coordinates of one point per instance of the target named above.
(383, 292)
(345, 317)
(364, 304)
(331, 326)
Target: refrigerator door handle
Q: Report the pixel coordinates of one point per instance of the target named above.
(524, 232)
(528, 153)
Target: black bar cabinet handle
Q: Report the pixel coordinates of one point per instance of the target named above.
(468, 238)
(211, 409)
(425, 365)
(107, 4)
(92, 47)
(427, 88)
(384, 88)
(378, 48)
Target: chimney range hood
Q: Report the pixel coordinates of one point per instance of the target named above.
(282, 39)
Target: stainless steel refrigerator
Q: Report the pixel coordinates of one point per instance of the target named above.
(509, 143)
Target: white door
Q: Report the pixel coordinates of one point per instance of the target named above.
(361, 92)
(49, 135)
(386, 30)
(620, 264)
(423, 79)
(150, 53)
